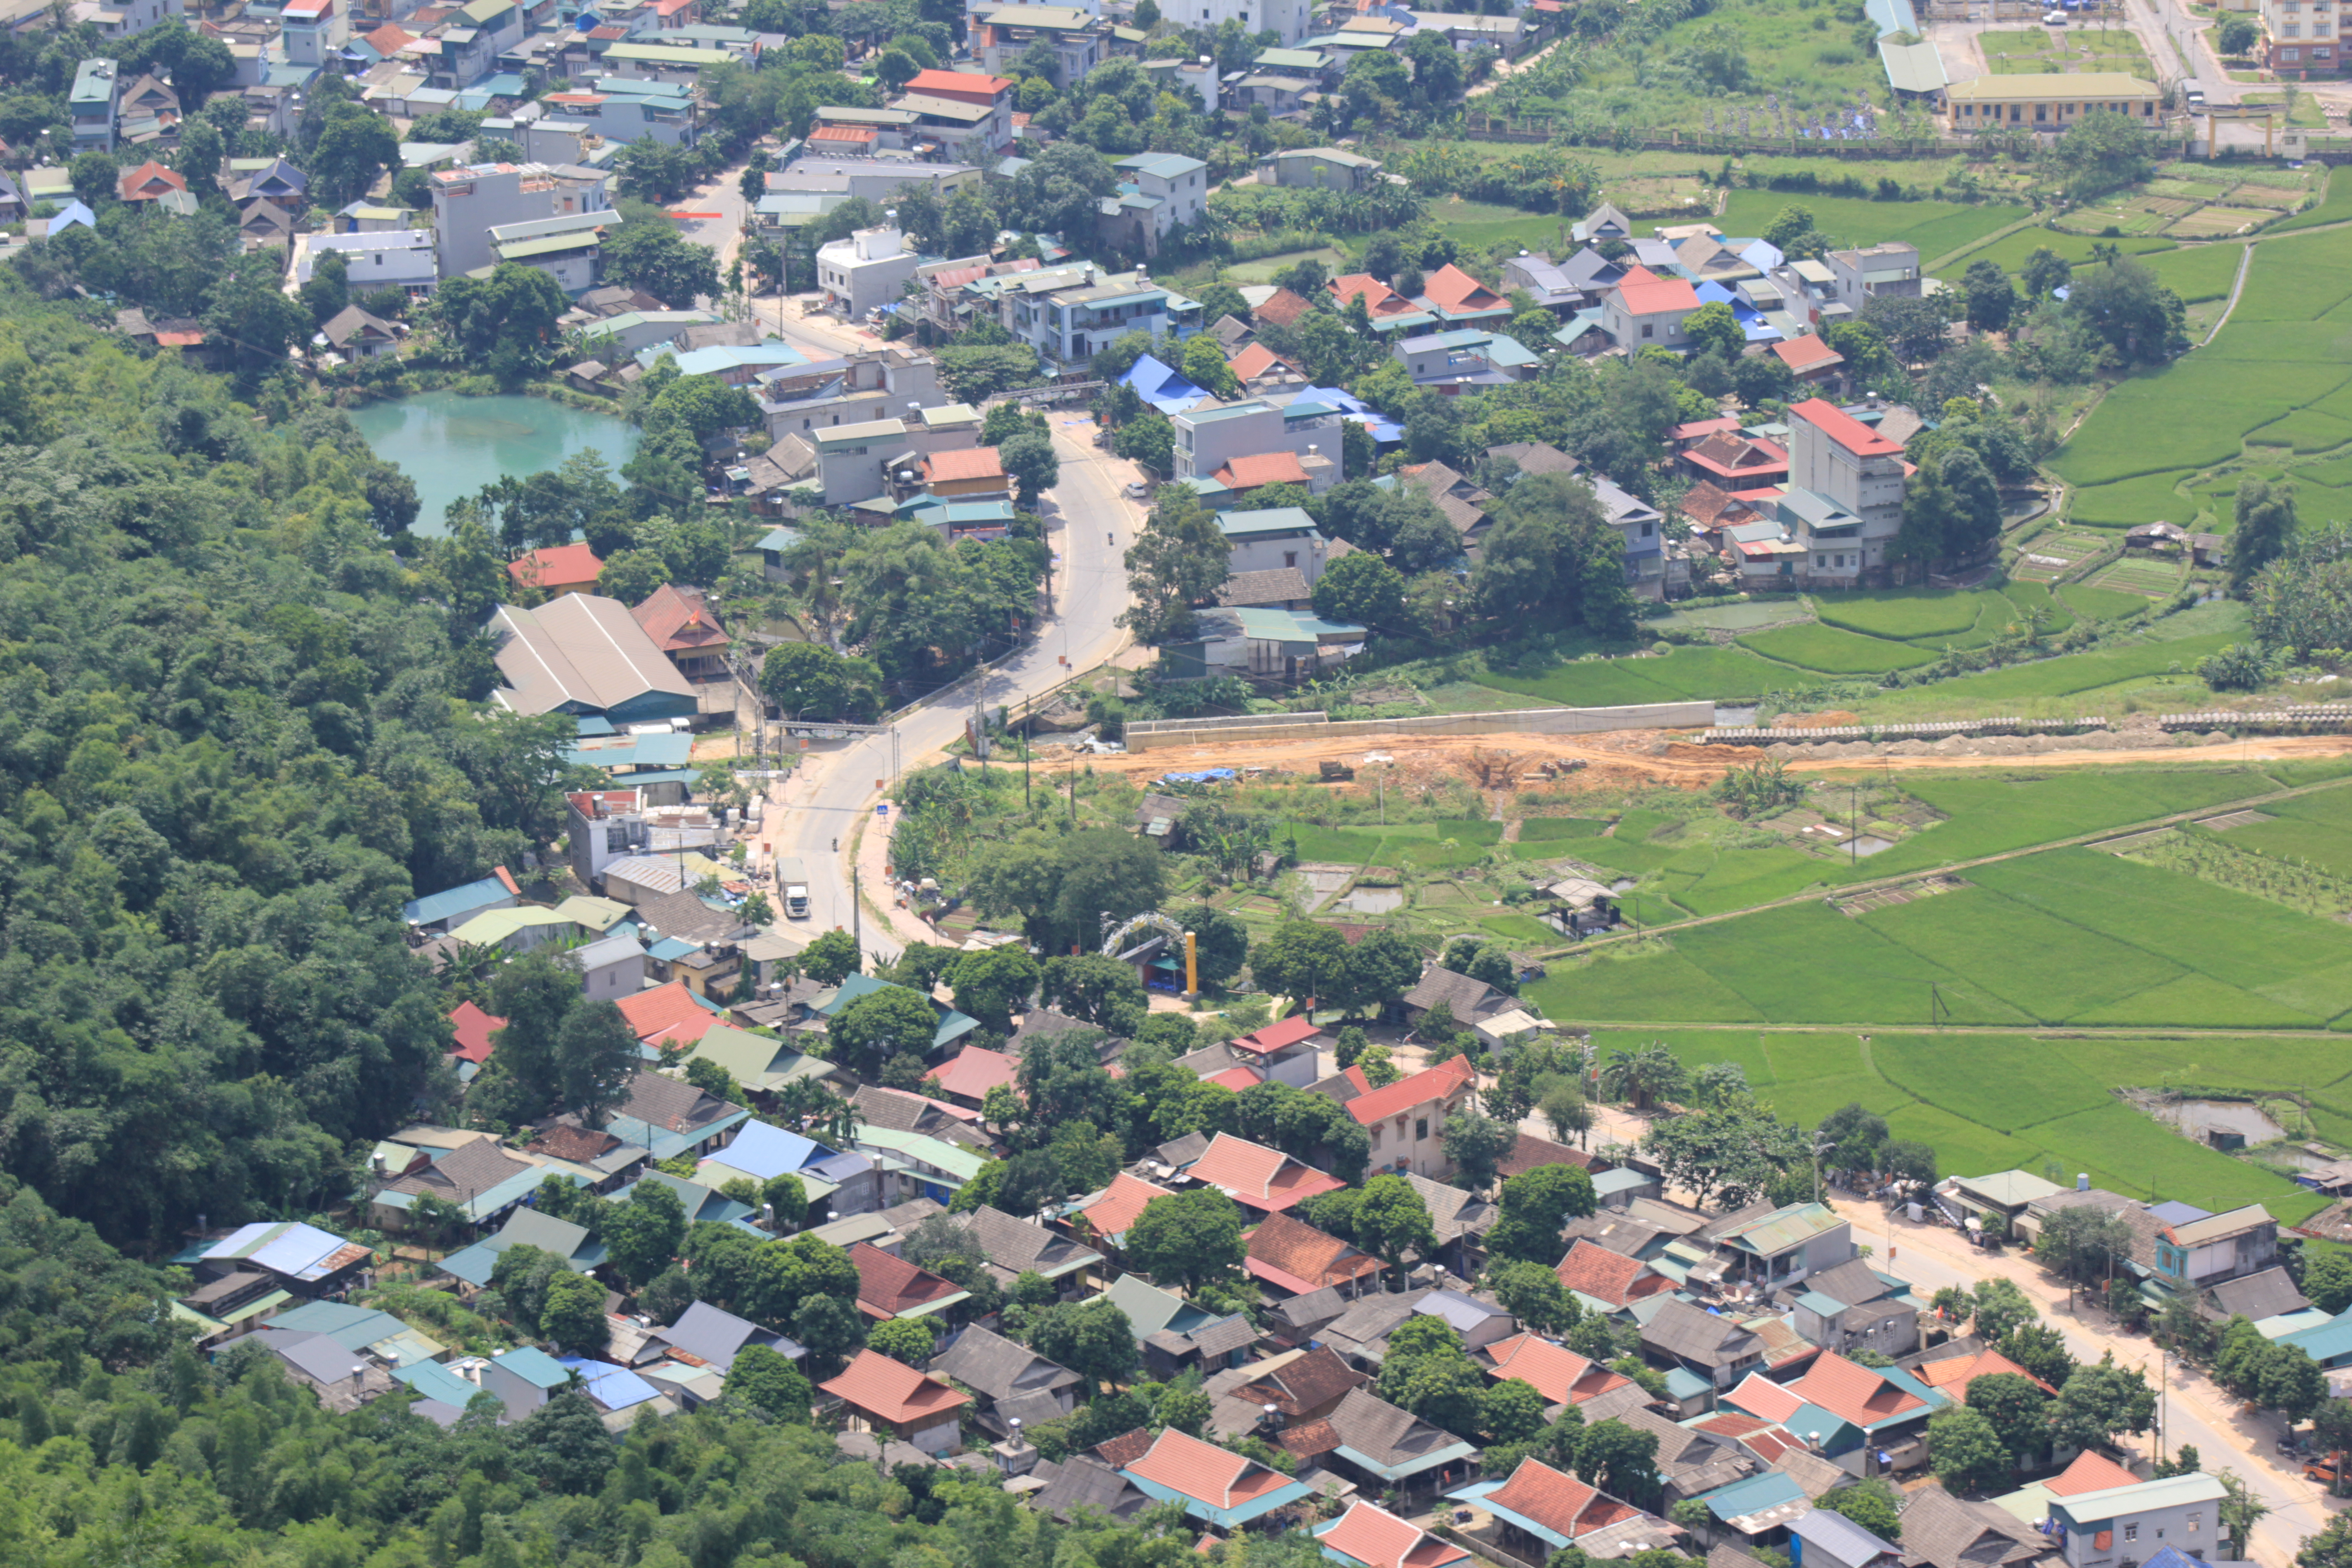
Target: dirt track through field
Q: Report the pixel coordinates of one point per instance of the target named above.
(1643, 758)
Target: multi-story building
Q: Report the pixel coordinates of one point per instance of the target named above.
(993, 93)
(1079, 38)
(1275, 537)
(1859, 471)
(1885, 271)
(568, 249)
(468, 203)
(1207, 439)
(2300, 37)
(1286, 19)
(92, 104)
(1067, 313)
(126, 19)
(1158, 192)
(876, 180)
(393, 258)
(625, 110)
(314, 31)
(875, 383)
(2049, 102)
(1645, 311)
(867, 270)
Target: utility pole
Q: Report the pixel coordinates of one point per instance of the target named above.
(856, 921)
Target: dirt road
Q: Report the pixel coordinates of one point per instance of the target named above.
(1636, 758)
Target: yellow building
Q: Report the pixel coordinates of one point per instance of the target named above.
(2048, 102)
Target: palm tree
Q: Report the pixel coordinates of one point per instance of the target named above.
(1644, 1075)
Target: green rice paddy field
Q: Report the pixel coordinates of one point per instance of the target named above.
(2052, 939)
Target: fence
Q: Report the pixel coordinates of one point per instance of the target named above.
(1222, 721)
(2307, 716)
(1514, 721)
(1934, 731)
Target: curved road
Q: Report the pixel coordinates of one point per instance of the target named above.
(816, 813)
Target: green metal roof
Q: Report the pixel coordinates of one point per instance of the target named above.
(1769, 1233)
(548, 245)
(962, 1163)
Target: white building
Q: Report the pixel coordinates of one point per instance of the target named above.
(1278, 536)
(1837, 456)
(611, 967)
(869, 269)
(468, 203)
(314, 31)
(1209, 439)
(127, 19)
(1287, 18)
(1158, 192)
(389, 259)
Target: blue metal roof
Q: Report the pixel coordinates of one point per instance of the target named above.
(761, 1150)
(1753, 1495)
(453, 901)
(613, 1387)
(535, 1367)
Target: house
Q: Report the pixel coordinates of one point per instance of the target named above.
(452, 907)
(1257, 1177)
(471, 1171)
(470, 204)
(1854, 1307)
(1865, 1419)
(1821, 1539)
(90, 105)
(881, 1395)
(1608, 1281)
(2202, 1252)
(1213, 437)
(847, 1183)
(900, 1111)
(1939, 1530)
(862, 273)
(1468, 1000)
(1950, 1368)
(355, 334)
(1101, 1219)
(1219, 1488)
(1774, 1247)
(1701, 1342)
(1293, 1256)
(259, 1270)
(1736, 463)
(1645, 311)
(1551, 1369)
(1157, 193)
(1017, 1387)
(2049, 104)
(1370, 1537)
(1407, 1119)
(2116, 1523)
(891, 1287)
(1178, 1336)
(1317, 168)
(1808, 358)
(1299, 1384)
(1466, 357)
(1012, 1246)
(1263, 645)
(1460, 1221)
(1377, 1444)
(1537, 1510)
(713, 1338)
(344, 1379)
(557, 569)
(584, 654)
(1275, 588)
(1531, 1150)
(1456, 296)
(669, 1014)
(1284, 1052)
(671, 1119)
(1888, 270)
(149, 182)
(528, 1227)
(1242, 474)
(2255, 1296)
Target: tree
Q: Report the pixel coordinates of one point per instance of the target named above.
(2265, 521)
(504, 324)
(1149, 439)
(2085, 1244)
(1991, 298)
(1063, 885)
(2331, 1548)
(2239, 35)
(1180, 559)
(355, 147)
(2019, 1411)
(989, 984)
(1964, 1452)
(1204, 366)
(1098, 989)
(831, 1329)
(2327, 1277)
(2001, 1309)
(2240, 1510)
(1532, 1293)
(831, 958)
(2044, 272)
(881, 1025)
(2100, 151)
(2100, 1401)
(1620, 1460)
(1030, 459)
(809, 681)
(1392, 1220)
(769, 1382)
(907, 1340)
(1793, 233)
(573, 1313)
(1300, 960)
(1361, 589)
(1870, 1505)
(1477, 1145)
(1425, 1372)
(1643, 1075)
(1552, 560)
(2125, 305)
(1219, 942)
(1191, 1239)
(633, 575)
(1092, 1338)
(259, 322)
(1511, 1412)
(1563, 1107)
(1377, 971)
(644, 1234)
(1915, 329)
(596, 1055)
(787, 1200)
(2040, 1349)
(1712, 328)
(1536, 1206)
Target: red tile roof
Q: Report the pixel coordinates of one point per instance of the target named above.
(2090, 1473)
(1379, 1539)
(1306, 1257)
(1284, 308)
(1709, 505)
(1700, 430)
(1531, 1150)
(1278, 1036)
(957, 84)
(888, 1285)
(1808, 353)
(1125, 1449)
(1843, 428)
(1309, 1439)
(892, 1391)
(557, 566)
(1262, 468)
(678, 620)
(474, 1029)
(1643, 293)
(1447, 1077)
(150, 178)
(1538, 1492)
(1767, 1440)
(1379, 299)
(1236, 1078)
(1559, 1373)
(1850, 1391)
(974, 463)
(1253, 361)
(1954, 1374)
(1260, 1177)
(1109, 1215)
(667, 1014)
(388, 39)
(1206, 1472)
(1607, 1276)
(1452, 289)
(976, 1070)
(843, 133)
(1773, 1401)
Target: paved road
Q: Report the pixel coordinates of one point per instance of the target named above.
(2193, 1410)
(817, 811)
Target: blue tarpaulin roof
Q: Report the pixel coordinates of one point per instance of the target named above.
(1162, 387)
(613, 1387)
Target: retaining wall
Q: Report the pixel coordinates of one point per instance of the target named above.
(1149, 735)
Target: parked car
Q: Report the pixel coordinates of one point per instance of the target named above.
(1137, 490)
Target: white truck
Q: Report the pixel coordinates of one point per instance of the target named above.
(794, 881)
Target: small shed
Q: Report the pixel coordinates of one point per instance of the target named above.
(1581, 906)
(2156, 538)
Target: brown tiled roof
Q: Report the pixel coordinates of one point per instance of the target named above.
(1559, 1373)
(678, 620)
(671, 1104)
(1469, 999)
(891, 1390)
(1315, 1378)
(1607, 1275)
(1116, 1206)
(1284, 309)
(1308, 1439)
(465, 1172)
(1257, 1176)
(1379, 1539)
(2090, 1472)
(1125, 1449)
(1202, 1471)
(565, 1141)
(888, 1285)
(1531, 1150)
(1269, 586)
(1304, 1253)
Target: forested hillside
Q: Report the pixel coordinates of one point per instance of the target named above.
(229, 749)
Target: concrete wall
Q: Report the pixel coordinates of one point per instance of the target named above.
(1517, 722)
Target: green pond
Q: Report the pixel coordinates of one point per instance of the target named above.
(450, 446)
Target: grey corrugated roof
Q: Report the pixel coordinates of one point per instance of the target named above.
(1380, 1431)
(1838, 1538)
(581, 648)
(707, 1334)
(992, 1364)
(1941, 1529)
(2259, 1296)
(1697, 1334)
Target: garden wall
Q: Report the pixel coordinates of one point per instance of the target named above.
(1146, 736)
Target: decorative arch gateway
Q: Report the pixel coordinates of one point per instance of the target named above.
(1152, 920)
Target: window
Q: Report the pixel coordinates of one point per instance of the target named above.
(1420, 1128)
(1376, 1137)
(1648, 528)
(617, 839)
(2041, 111)
(2131, 1533)
(2196, 1522)
(1290, 558)
(1648, 331)
(2292, 31)
(2290, 56)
